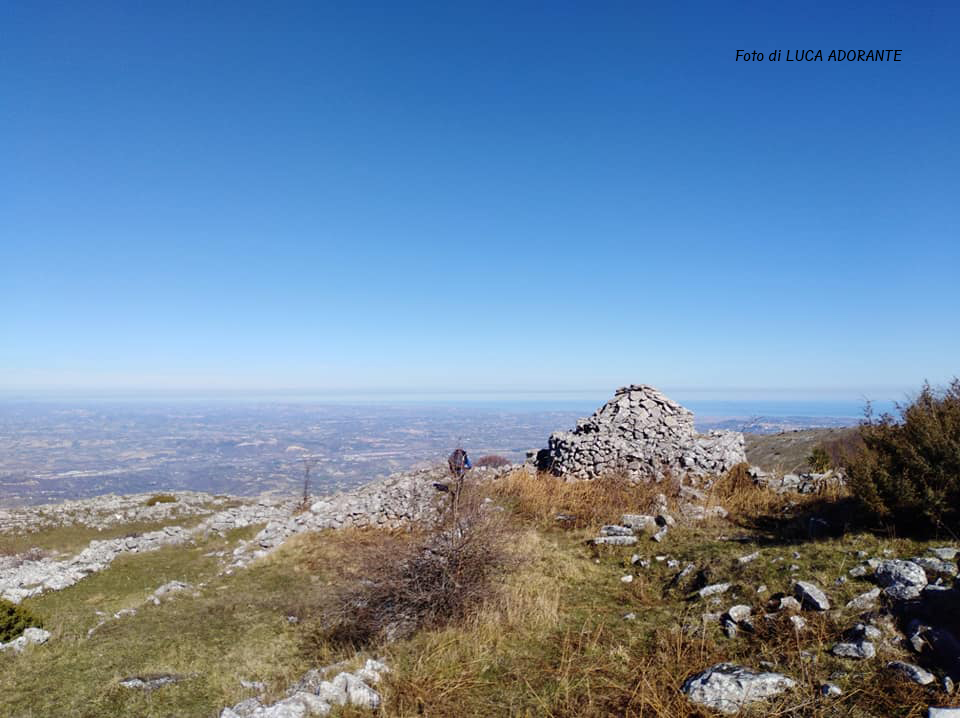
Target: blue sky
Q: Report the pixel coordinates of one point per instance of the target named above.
(458, 197)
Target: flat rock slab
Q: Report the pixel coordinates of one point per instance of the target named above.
(859, 650)
(728, 688)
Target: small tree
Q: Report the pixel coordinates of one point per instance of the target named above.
(308, 464)
(908, 470)
(15, 619)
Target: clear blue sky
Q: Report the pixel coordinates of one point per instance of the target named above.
(426, 197)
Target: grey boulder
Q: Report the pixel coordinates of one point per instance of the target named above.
(901, 580)
(729, 688)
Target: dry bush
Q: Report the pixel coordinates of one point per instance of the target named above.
(493, 461)
(424, 581)
(543, 498)
(739, 494)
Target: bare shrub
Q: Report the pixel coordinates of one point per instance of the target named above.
(493, 461)
(426, 581)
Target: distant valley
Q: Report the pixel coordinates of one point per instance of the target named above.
(51, 452)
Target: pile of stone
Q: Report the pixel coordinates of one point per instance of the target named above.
(643, 434)
(238, 517)
(315, 696)
(804, 483)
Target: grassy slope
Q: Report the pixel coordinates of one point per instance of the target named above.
(551, 641)
(788, 451)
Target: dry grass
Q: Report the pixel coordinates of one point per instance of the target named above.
(542, 499)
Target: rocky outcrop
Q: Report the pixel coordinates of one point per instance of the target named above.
(31, 636)
(644, 434)
(32, 577)
(108, 510)
(392, 502)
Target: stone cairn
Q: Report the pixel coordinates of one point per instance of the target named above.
(644, 434)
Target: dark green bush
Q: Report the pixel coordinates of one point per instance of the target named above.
(908, 470)
(160, 499)
(819, 460)
(14, 620)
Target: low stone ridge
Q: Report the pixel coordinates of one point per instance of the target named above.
(392, 502)
(729, 688)
(314, 696)
(387, 503)
(33, 577)
(102, 512)
(644, 434)
(22, 578)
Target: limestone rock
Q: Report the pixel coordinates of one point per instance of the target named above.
(729, 688)
(811, 596)
(30, 636)
(864, 600)
(858, 649)
(912, 672)
(901, 580)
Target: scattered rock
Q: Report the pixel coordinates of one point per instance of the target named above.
(912, 672)
(614, 541)
(811, 596)
(616, 531)
(639, 522)
(714, 589)
(936, 567)
(788, 603)
(901, 580)
(865, 600)
(729, 688)
(831, 690)
(859, 650)
(933, 712)
(30, 637)
(151, 683)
